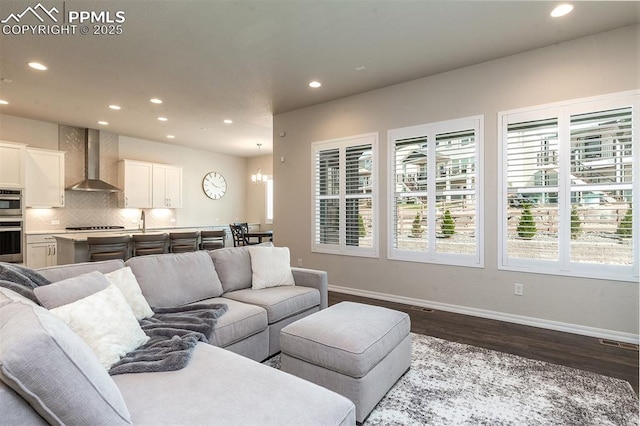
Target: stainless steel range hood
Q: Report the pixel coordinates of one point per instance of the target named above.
(92, 180)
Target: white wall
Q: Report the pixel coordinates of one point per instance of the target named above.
(600, 64)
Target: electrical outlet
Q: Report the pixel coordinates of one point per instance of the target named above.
(55, 222)
(134, 221)
(299, 262)
(518, 289)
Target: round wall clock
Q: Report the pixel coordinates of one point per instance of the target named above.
(214, 185)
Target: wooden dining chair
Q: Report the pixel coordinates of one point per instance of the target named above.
(145, 244)
(245, 229)
(243, 225)
(238, 235)
(108, 248)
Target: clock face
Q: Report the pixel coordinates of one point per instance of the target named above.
(214, 185)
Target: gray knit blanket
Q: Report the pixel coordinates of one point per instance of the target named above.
(21, 279)
(173, 334)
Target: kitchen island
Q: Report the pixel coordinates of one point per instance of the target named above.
(72, 247)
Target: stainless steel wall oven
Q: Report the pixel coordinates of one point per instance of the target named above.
(10, 202)
(11, 225)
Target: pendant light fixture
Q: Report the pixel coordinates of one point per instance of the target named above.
(259, 177)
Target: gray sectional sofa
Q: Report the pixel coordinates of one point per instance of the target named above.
(49, 376)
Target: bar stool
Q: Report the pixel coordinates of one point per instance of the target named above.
(212, 240)
(144, 244)
(180, 242)
(107, 248)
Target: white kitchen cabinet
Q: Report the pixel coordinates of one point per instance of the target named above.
(167, 186)
(44, 185)
(41, 251)
(12, 159)
(135, 177)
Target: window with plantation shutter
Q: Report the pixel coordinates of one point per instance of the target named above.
(435, 212)
(345, 191)
(532, 180)
(569, 191)
(601, 184)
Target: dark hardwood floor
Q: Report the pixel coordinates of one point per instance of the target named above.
(572, 350)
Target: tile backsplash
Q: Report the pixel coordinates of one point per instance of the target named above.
(91, 208)
(94, 209)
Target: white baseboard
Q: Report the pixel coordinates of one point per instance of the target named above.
(500, 316)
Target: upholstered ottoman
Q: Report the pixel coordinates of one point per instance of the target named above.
(356, 350)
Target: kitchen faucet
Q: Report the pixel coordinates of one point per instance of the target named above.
(144, 222)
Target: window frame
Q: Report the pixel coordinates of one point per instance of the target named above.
(268, 198)
(342, 144)
(430, 130)
(563, 111)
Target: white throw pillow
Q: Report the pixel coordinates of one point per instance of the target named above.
(105, 322)
(126, 282)
(270, 267)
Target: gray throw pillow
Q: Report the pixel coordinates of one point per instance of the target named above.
(70, 290)
(176, 279)
(62, 272)
(233, 265)
(47, 364)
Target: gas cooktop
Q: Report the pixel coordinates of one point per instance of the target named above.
(93, 228)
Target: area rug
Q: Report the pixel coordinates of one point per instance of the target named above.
(455, 384)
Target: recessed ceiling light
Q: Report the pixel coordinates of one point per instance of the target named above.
(171, 137)
(227, 121)
(115, 107)
(315, 84)
(37, 66)
(155, 101)
(561, 10)
(3, 102)
(163, 119)
(103, 123)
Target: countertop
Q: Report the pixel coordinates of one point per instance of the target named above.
(76, 236)
(82, 236)
(63, 232)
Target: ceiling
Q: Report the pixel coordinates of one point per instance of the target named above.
(248, 60)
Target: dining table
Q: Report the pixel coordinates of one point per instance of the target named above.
(260, 235)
